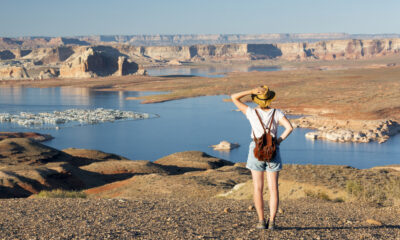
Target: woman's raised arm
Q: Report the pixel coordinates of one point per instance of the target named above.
(237, 96)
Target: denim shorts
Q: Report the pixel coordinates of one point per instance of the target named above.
(254, 164)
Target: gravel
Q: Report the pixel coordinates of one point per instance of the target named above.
(189, 219)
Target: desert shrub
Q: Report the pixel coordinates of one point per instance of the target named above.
(318, 195)
(354, 188)
(59, 193)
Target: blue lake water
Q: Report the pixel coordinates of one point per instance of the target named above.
(188, 124)
(206, 71)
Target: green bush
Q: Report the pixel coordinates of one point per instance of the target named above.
(59, 193)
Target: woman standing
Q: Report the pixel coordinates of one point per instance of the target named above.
(263, 96)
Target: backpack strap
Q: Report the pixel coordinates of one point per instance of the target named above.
(272, 119)
(270, 124)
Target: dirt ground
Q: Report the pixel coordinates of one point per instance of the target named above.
(190, 219)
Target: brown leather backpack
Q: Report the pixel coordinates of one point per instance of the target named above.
(265, 148)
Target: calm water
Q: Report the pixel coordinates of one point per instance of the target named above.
(207, 71)
(189, 124)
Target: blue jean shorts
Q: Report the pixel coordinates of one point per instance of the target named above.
(254, 164)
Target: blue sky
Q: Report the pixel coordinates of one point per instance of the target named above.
(127, 17)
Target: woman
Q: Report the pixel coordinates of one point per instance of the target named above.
(263, 97)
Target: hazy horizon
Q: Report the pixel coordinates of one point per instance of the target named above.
(48, 18)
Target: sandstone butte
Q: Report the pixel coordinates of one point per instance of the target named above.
(70, 58)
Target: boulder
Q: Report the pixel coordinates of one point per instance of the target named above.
(192, 160)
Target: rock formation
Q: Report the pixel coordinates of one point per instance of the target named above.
(348, 130)
(75, 61)
(225, 146)
(97, 61)
(30, 135)
(192, 160)
(49, 73)
(13, 73)
(27, 167)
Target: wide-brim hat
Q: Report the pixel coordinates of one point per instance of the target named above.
(264, 100)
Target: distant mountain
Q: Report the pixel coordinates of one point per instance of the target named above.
(184, 39)
(190, 39)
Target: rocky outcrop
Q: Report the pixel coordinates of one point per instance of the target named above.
(125, 166)
(97, 61)
(18, 151)
(192, 160)
(348, 130)
(30, 135)
(27, 167)
(49, 73)
(13, 73)
(225, 146)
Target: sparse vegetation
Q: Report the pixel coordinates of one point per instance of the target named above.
(318, 195)
(384, 193)
(59, 193)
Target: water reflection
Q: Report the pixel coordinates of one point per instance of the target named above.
(207, 71)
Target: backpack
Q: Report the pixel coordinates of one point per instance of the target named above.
(265, 148)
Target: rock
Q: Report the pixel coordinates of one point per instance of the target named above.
(373, 222)
(13, 73)
(192, 160)
(17, 151)
(30, 135)
(251, 208)
(174, 62)
(125, 67)
(348, 130)
(280, 210)
(49, 73)
(225, 146)
(93, 155)
(124, 166)
(227, 210)
(97, 61)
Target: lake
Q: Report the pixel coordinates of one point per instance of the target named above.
(206, 71)
(188, 124)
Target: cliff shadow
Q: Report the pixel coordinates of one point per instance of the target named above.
(263, 51)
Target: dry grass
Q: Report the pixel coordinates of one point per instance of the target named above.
(59, 193)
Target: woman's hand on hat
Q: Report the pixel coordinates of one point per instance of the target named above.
(259, 90)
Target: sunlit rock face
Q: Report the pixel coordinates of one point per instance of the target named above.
(97, 61)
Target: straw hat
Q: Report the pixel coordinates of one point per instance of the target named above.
(264, 100)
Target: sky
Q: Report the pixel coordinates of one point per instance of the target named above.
(130, 17)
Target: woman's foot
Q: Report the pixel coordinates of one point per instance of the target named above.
(262, 225)
(271, 225)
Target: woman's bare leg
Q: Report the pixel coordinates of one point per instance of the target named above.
(272, 178)
(258, 183)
